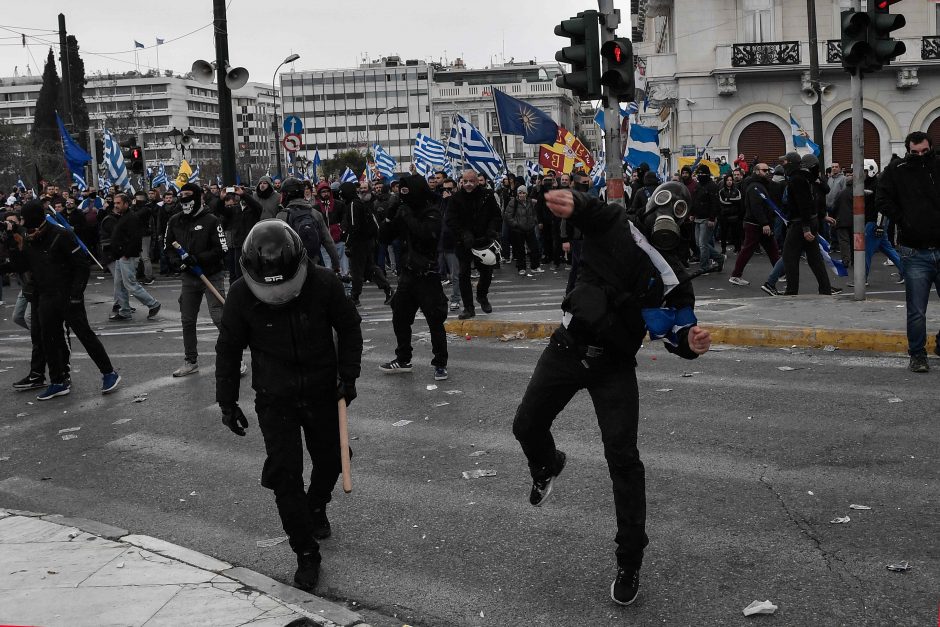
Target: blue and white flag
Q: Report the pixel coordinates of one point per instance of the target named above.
(316, 163)
(20, 184)
(75, 155)
(802, 144)
(117, 171)
(836, 265)
(468, 144)
(80, 182)
(349, 177)
(159, 178)
(643, 147)
(218, 180)
(194, 177)
(599, 171)
(429, 150)
(423, 168)
(384, 162)
(624, 112)
(532, 168)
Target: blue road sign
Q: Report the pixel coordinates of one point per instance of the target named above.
(293, 125)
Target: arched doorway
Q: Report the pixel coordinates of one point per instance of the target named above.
(933, 132)
(761, 140)
(842, 143)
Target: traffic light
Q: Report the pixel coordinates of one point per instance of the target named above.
(884, 47)
(856, 50)
(584, 79)
(135, 161)
(619, 75)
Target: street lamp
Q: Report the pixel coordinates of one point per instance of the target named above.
(277, 132)
(182, 140)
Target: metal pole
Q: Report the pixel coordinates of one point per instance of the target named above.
(143, 159)
(94, 158)
(814, 77)
(858, 180)
(612, 141)
(66, 67)
(277, 129)
(226, 124)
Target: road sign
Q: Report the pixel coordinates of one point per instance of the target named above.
(293, 125)
(292, 142)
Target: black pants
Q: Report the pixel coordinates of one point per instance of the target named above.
(424, 293)
(54, 312)
(560, 373)
(575, 264)
(190, 300)
(37, 359)
(792, 246)
(549, 254)
(362, 266)
(285, 430)
(520, 240)
(466, 260)
(730, 231)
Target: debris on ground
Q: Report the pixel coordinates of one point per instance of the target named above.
(508, 337)
(690, 374)
(69, 436)
(22, 414)
(401, 423)
(900, 567)
(431, 387)
(760, 607)
(854, 506)
(665, 389)
(140, 398)
(69, 430)
(452, 392)
(441, 404)
(839, 520)
(121, 421)
(895, 399)
(478, 453)
(787, 368)
(264, 544)
(476, 474)
(829, 348)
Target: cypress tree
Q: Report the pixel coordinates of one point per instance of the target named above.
(45, 132)
(72, 107)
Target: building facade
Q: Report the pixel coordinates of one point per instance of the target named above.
(731, 71)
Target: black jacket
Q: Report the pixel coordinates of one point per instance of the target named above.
(360, 224)
(521, 216)
(293, 356)
(473, 217)
(801, 202)
(202, 237)
(909, 194)
(757, 209)
(705, 201)
(240, 218)
(843, 207)
(144, 212)
(417, 223)
(126, 236)
(616, 280)
(59, 269)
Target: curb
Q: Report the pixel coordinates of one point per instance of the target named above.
(868, 340)
(320, 610)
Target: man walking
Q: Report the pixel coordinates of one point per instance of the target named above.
(758, 216)
(909, 194)
(361, 228)
(126, 246)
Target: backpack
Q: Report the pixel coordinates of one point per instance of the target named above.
(301, 220)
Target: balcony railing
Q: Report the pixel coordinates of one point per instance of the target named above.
(834, 51)
(768, 53)
(930, 48)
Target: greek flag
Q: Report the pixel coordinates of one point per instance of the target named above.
(836, 265)
(20, 184)
(159, 178)
(349, 177)
(801, 141)
(384, 162)
(599, 171)
(643, 147)
(429, 150)
(532, 168)
(194, 177)
(80, 182)
(218, 180)
(117, 171)
(423, 167)
(103, 183)
(468, 144)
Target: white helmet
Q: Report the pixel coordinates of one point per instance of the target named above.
(488, 255)
(871, 168)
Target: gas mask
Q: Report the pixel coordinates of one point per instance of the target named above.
(666, 208)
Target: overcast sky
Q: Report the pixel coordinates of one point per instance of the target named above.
(262, 34)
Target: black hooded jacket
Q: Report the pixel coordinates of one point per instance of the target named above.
(472, 217)
(201, 235)
(59, 269)
(417, 223)
(909, 194)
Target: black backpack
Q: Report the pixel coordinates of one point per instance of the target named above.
(301, 220)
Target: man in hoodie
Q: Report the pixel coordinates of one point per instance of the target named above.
(705, 211)
(758, 216)
(200, 234)
(474, 218)
(417, 223)
(308, 222)
(241, 211)
(361, 228)
(332, 209)
(642, 195)
(267, 198)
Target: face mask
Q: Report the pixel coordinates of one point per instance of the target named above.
(187, 205)
(665, 209)
(920, 158)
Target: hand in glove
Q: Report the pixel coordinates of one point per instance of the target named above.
(347, 390)
(234, 418)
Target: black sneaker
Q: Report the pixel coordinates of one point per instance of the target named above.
(626, 587)
(919, 364)
(542, 486)
(485, 304)
(153, 311)
(321, 524)
(466, 314)
(389, 295)
(148, 281)
(769, 289)
(32, 381)
(835, 291)
(119, 317)
(116, 308)
(396, 367)
(308, 570)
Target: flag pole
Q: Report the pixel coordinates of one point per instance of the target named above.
(158, 57)
(501, 136)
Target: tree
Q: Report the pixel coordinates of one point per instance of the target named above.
(72, 105)
(45, 130)
(352, 159)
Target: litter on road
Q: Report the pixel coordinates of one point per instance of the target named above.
(441, 404)
(140, 398)
(690, 374)
(760, 607)
(664, 390)
(476, 474)
(452, 392)
(264, 544)
(895, 400)
(900, 567)
(69, 430)
(401, 423)
(431, 387)
(477, 453)
(69, 436)
(121, 421)
(829, 348)
(840, 520)
(787, 368)
(854, 506)
(508, 337)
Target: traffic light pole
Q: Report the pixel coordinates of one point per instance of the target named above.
(613, 144)
(93, 182)
(143, 159)
(858, 179)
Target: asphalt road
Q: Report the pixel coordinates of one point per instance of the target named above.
(746, 467)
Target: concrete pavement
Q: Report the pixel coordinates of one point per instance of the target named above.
(67, 571)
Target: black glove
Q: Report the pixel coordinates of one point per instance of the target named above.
(234, 418)
(879, 232)
(347, 390)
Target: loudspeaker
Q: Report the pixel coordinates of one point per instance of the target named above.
(236, 78)
(203, 71)
(828, 93)
(809, 96)
(187, 141)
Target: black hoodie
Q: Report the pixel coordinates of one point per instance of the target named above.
(417, 223)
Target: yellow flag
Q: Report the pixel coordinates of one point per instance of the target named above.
(688, 161)
(185, 172)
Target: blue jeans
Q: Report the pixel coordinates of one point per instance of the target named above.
(874, 244)
(921, 271)
(22, 312)
(453, 271)
(705, 237)
(343, 259)
(776, 273)
(126, 285)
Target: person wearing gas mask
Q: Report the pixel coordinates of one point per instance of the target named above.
(286, 309)
(200, 234)
(805, 215)
(474, 218)
(630, 283)
(909, 195)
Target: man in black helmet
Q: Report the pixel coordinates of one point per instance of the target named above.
(200, 234)
(286, 309)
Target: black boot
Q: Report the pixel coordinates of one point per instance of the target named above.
(389, 293)
(485, 304)
(308, 570)
(467, 313)
(321, 524)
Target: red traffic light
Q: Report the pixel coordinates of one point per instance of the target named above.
(135, 153)
(618, 51)
(884, 4)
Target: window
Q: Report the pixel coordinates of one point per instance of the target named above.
(758, 20)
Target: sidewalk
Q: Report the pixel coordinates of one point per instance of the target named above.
(812, 321)
(75, 572)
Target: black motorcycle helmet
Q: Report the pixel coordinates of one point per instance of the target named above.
(291, 188)
(274, 262)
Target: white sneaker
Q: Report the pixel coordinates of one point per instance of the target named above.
(738, 281)
(521, 273)
(187, 368)
(888, 262)
(538, 270)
